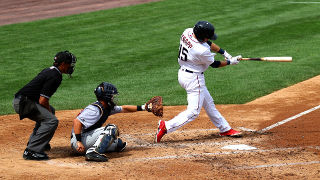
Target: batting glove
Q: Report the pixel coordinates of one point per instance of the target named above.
(235, 60)
(226, 55)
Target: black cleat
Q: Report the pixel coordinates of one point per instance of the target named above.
(94, 156)
(31, 155)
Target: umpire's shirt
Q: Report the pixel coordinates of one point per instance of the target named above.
(44, 84)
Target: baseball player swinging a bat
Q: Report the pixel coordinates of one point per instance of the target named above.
(194, 58)
(88, 135)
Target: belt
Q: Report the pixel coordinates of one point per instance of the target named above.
(186, 70)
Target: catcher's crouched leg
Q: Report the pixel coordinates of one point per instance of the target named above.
(108, 141)
(117, 146)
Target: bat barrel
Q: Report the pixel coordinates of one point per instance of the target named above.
(274, 59)
(278, 59)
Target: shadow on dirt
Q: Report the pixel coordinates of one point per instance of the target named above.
(62, 152)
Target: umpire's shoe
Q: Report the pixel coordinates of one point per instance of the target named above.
(95, 156)
(31, 155)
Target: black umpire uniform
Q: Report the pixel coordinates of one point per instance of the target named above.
(32, 101)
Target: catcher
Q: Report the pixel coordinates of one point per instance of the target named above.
(90, 137)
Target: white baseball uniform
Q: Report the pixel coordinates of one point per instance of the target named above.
(195, 58)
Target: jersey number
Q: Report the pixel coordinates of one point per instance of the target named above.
(183, 53)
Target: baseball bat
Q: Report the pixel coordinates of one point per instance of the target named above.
(273, 59)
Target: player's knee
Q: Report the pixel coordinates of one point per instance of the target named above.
(193, 113)
(112, 130)
(55, 123)
(105, 143)
(52, 123)
(111, 133)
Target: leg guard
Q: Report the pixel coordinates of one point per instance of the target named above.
(106, 138)
(117, 146)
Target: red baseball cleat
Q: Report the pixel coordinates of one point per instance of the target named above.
(162, 130)
(231, 133)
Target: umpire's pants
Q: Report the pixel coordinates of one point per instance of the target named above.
(45, 127)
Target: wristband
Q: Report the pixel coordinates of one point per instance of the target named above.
(78, 137)
(228, 62)
(141, 108)
(215, 64)
(221, 51)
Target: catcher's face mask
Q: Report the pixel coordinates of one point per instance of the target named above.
(115, 99)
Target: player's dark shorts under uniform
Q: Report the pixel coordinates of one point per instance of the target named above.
(26, 104)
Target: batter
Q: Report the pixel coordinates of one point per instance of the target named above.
(194, 58)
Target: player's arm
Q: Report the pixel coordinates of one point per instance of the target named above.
(232, 61)
(44, 102)
(77, 127)
(132, 108)
(216, 48)
(229, 60)
(218, 64)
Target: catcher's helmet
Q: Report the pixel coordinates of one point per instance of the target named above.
(204, 29)
(105, 92)
(67, 57)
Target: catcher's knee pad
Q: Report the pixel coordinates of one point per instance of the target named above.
(105, 143)
(107, 138)
(112, 130)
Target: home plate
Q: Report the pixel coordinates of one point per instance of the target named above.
(239, 147)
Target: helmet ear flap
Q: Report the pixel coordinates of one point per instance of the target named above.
(99, 92)
(105, 92)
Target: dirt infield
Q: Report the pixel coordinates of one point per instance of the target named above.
(287, 151)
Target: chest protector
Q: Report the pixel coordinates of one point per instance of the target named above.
(103, 117)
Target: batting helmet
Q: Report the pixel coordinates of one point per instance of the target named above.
(68, 58)
(204, 29)
(105, 92)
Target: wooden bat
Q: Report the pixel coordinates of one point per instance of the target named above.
(273, 59)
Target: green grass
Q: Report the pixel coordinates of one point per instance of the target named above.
(136, 49)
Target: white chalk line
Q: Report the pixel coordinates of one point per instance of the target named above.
(179, 131)
(144, 143)
(195, 155)
(288, 119)
(246, 129)
(179, 144)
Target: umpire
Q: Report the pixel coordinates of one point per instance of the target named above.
(32, 101)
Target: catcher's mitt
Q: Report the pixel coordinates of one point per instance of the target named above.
(154, 105)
